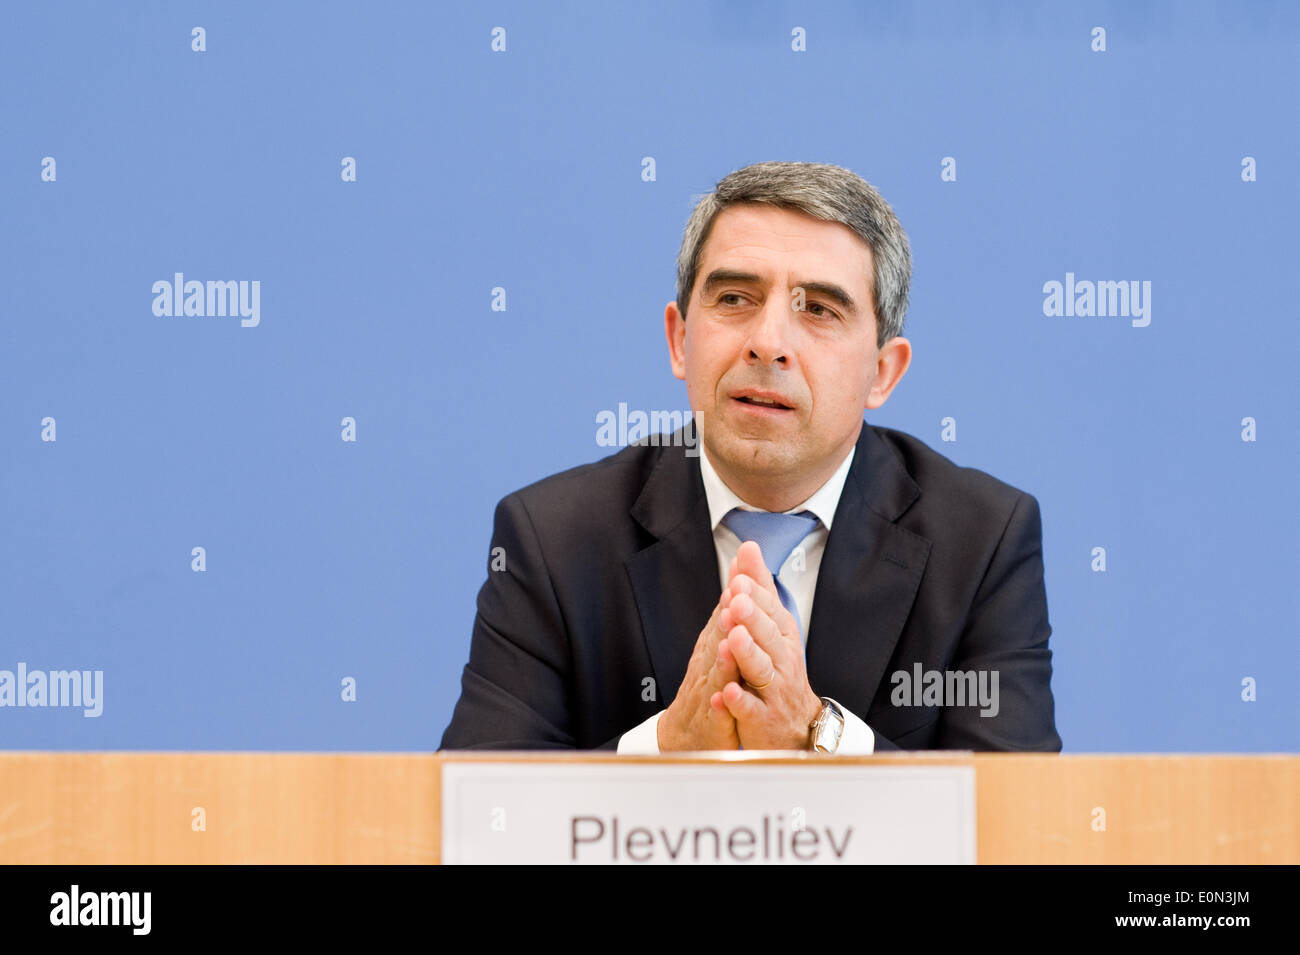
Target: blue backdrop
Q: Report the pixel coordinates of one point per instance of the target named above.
(380, 169)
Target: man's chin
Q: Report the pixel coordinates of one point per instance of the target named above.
(753, 454)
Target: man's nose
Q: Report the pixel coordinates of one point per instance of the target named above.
(769, 337)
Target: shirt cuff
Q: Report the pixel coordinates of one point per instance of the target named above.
(643, 740)
(858, 738)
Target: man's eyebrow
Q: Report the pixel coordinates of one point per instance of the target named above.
(725, 276)
(829, 289)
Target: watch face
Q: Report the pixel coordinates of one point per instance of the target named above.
(829, 728)
(836, 731)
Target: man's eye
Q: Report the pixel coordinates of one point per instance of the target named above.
(727, 295)
(820, 310)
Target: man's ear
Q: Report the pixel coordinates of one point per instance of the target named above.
(891, 365)
(675, 331)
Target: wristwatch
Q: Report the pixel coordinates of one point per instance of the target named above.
(825, 731)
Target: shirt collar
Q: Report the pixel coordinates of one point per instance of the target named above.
(822, 503)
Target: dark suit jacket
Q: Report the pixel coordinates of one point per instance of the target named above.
(611, 573)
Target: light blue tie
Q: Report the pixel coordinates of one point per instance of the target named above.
(777, 535)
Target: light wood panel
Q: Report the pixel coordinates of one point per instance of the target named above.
(138, 808)
(1158, 809)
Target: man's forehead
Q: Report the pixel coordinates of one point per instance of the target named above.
(770, 242)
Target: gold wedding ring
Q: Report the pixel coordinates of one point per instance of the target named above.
(759, 686)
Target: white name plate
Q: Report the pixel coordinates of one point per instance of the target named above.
(712, 813)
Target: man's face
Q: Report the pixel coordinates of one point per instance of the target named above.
(743, 340)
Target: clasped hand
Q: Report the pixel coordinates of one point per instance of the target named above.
(745, 684)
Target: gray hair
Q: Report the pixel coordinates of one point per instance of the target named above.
(826, 192)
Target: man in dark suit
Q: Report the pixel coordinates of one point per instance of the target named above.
(801, 580)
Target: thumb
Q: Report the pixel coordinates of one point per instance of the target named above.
(749, 561)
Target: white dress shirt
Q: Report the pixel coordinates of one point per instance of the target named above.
(858, 739)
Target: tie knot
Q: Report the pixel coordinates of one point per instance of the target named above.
(777, 535)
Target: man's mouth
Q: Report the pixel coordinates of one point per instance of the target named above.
(758, 401)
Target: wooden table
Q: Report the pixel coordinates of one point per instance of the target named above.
(141, 808)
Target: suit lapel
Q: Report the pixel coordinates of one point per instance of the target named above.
(675, 580)
(870, 572)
